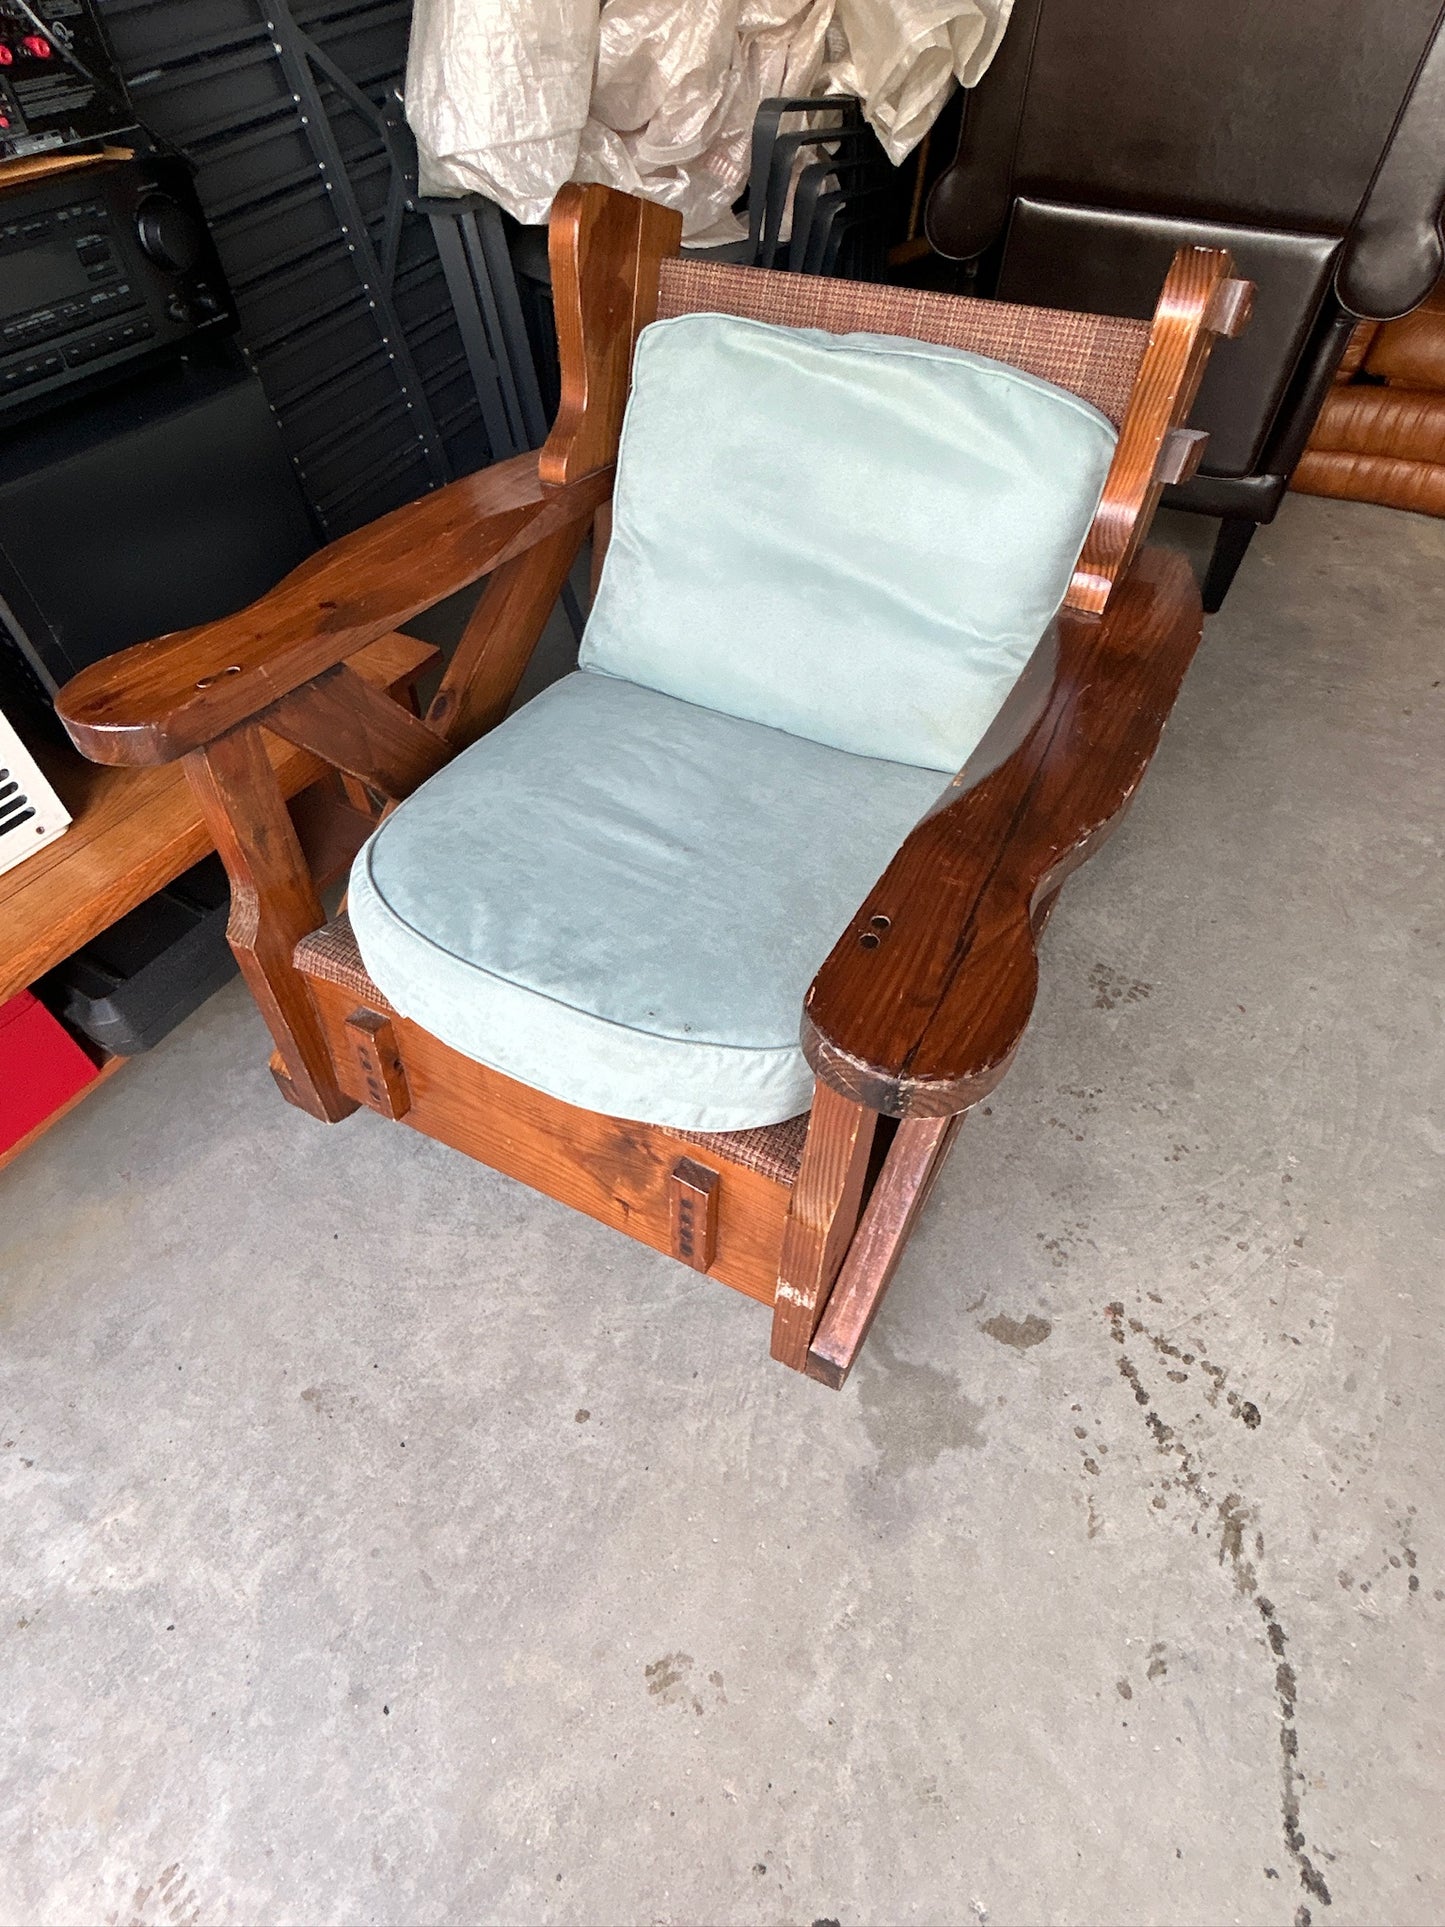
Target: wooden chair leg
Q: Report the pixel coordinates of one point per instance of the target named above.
(915, 1157)
(821, 1218)
(273, 906)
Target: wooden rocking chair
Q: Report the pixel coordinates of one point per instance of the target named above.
(915, 1013)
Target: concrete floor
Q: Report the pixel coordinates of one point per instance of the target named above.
(383, 1543)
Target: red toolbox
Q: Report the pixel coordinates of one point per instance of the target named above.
(41, 1068)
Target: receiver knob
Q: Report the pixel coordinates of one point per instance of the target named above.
(170, 234)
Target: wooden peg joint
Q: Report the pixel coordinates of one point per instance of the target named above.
(373, 1040)
(694, 1191)
(1231, 308)
(1180, 454)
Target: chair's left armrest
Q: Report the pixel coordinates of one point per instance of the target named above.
(924, 999)
(163, 699)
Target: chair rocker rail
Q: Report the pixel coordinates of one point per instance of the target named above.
(161, 700)
(922, 1003)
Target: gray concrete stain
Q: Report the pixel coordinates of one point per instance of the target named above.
(1021, 1333)
(913, 1413)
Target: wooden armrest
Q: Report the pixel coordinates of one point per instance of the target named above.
(924, 999)
(162, 699)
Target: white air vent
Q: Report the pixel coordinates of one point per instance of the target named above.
(31, 814)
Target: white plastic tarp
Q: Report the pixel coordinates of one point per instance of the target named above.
(510, 98)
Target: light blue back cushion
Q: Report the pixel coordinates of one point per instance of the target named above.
(855, 538)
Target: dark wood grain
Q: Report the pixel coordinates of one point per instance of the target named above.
(162, 699)
(917, 1154)
(496, 645)
(273, 905)
(826, 1200)
(1193, 306)
(606, 249)
(342, 719)
(922, 1003)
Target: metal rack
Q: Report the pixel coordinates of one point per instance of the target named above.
(289, 112)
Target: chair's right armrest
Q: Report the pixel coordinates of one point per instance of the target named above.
(161, 700)
(922, 1002)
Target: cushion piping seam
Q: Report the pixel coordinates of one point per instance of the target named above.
(613, 1023)
(910, 348)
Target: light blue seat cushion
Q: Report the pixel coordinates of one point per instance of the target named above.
(620, 898)
(856, 538)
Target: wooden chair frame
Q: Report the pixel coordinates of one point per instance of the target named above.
(916, 1013)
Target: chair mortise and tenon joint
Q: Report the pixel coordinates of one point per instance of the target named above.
(1231, 308)
(694, 1200)
(360, 731)
(378, 1056)
(1180, 455)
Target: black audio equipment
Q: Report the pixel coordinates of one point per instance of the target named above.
(100, 267)
(58, 80)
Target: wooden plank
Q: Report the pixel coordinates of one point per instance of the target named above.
(39, 167)
(821, 1220)
(1194, 305)
(374, 1045)
(606, 249)
(915, 1157)
(353, 727)
(496, 645)
(273, 906)
(135, 831)
(613, 1169)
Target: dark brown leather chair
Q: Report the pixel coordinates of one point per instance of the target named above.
(1303, 135)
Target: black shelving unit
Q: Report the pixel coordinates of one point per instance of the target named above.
(287, 111)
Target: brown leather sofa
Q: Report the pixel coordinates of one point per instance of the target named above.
(1380, 436)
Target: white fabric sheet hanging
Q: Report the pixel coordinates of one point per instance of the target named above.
(511, 98)
(903, 57)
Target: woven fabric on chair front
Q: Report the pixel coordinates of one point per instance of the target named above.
(1097, 356)
(774, 1149)
(331, 955)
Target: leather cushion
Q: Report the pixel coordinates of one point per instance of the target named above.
(1361, 336)
(1236, 110)
(621, 899)
(1384, 479)
(856, 538)
(1109, 262)
(1412, 350)
(1405, 422)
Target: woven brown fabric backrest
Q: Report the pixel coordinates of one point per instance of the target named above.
(1097, 356)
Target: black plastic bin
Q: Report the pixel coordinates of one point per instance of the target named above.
(137, 980)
